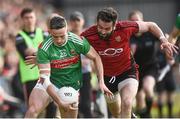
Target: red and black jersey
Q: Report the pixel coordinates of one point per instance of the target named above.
(115, 52)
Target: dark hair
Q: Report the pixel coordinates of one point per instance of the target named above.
(76, 16)
(57, 22)
(107, 14)
(26, 11)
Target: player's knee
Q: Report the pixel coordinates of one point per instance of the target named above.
(33, 111)
(149, 91)
(127, 104)
(149, 84)
(147, 88)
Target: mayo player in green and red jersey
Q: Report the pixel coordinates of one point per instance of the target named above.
(59, 64)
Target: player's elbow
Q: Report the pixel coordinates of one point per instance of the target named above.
(146, 26)
(97, 59)
(152, 25)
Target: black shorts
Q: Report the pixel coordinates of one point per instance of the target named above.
(167, 84)
(113, 81)
(151, 70)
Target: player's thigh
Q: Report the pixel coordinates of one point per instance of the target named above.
(39, 99)
(148, 82)
(129, 89)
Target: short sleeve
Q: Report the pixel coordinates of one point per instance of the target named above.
(85, 47)
(178, 21)
(80, 42)
(132, 28)
(42, 57)
(129, 26)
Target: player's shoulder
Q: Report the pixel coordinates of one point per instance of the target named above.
(74, 38)
(90, 31)
(19, 39)
(125, 24)
(73, 35)
(46, 43)
(45, 33)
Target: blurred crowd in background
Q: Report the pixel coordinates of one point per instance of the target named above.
(11, 96)
(12, 102)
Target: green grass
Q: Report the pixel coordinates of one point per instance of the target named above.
(176, 107)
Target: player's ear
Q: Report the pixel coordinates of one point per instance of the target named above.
(114, 25)
(49, 31)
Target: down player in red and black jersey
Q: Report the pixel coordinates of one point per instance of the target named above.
(111, 39)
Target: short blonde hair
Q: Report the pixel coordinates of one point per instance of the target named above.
(135, 12)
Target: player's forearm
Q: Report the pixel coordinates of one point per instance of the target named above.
(99, 68)
(154, 29)
(44, 70)
(50, 90)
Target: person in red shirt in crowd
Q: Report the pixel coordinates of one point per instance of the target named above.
(111, 39)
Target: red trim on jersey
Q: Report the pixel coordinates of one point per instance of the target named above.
(65, 62)
(40, 45)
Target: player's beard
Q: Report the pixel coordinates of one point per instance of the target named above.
(105, 37)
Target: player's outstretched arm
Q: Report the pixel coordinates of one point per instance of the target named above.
(154, 29)
(93, 55)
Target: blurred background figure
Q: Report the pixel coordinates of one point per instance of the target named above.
(76, 25)
(91, 99)
(27, 42)
(165, 86)
(174, 38)
(144, 47)
(10, 103)
(176, 30)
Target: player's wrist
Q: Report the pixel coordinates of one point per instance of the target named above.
(46, 79)
(101, 81)
(163, 39)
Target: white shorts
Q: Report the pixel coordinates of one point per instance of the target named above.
(40, 86)
(128, 81)
(120, 86)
